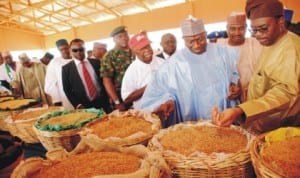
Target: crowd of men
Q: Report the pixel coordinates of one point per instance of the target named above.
(253, 81)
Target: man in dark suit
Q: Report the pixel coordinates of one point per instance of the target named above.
(81, 80)
(169, 44)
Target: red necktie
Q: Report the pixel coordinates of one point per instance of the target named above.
(89, 82)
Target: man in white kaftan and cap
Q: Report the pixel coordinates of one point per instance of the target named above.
(53, 80)
(200, 76)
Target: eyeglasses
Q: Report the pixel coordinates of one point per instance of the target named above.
(75, 50)
(261, 30)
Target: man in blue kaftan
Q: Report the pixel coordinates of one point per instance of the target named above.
(198, 77)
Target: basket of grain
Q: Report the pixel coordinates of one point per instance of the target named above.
(123, 128)
(20, 123)
(200, 149)
(60, 129)
(7, 106)
(97, 160)
(275, 154)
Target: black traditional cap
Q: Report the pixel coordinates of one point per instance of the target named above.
(266, 8)
(49, 56)
(61, 42)
(118, 30)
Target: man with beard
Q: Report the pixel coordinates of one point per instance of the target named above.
(81, 80)
(114, 65)
(273, 98)
(249, 48)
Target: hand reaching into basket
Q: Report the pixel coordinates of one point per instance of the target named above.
(165, 109)
(227, 117)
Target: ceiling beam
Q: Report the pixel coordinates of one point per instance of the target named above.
(141, 3)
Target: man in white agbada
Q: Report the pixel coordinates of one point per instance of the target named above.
(139, 73)
(196, 79)
(53, 80)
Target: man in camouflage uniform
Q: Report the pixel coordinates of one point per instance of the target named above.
(114, 65)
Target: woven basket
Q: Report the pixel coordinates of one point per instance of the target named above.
(263, 169)
(152, 164)
(51, 140)
(5, 112)
(67, 138)
(203, 165)
(3, 116)
(139, 137)
(23, 128)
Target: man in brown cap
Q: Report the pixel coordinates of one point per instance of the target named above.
(114, 65)
(273, 92)
(249, 48)
(198, 77)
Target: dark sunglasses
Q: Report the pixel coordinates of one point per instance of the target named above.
(75, 50)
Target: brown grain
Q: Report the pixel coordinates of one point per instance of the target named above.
(282, 156)
(91, 164)
(204, 139)
(120, 127)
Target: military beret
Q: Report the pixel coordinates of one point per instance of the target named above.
(61, 42)
(266, 8)
(118, 30)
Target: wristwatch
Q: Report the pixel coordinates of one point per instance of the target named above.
(116, 102)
